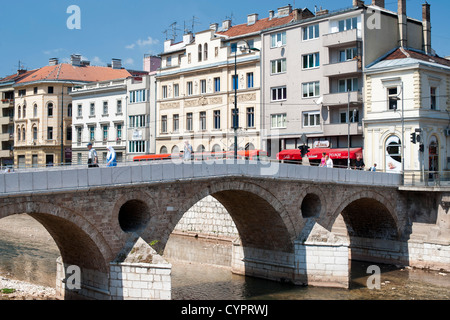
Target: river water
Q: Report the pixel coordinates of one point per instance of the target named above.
(31, 256)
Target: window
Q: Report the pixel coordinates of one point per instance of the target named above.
(49, 110)
(199, 52)
(79, 132)
(22, 92)
(35, 111)
(278, 66)
(138, 96)
(250, 117)
(217, 119)
(311, 61)
(35, 133)
(235, 118)
(80, 110)
(311, 89)
(137, 121)
(35, 90)
(354, 116)
(189, 88)
(279, 94)
(92, 110)
(393, 98)
(119, 131)
(311, 119)
(278, 121)
(189, 122)
(169, 61)
(19, 112)
(69, 110)
(105, 108)
(176, 90)
(348, 24)
(50, 133)
(164, 92)
(235, 82)
(18, 134)
(250, 80)
(119, 106)
(203, 120)
(163, 124)
(311, 32)
(24, 115)
(137, 147)
(92, 133)
(24, 134)
(203, 86)
(433, 96)
(105, 133)
(348, 85)
(348, 54)
(50, 90)
(69, 133)
(176, 123)
(205, 52)
(278, 39)
(216, 84)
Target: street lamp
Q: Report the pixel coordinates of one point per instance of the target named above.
(235, 83)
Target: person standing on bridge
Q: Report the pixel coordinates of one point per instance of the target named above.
(111, 160)
(329, 162)
(187, 155)
(92, 157)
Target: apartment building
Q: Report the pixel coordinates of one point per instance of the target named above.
(43, 109)
(99, 117)
(313, 73)
(200, 79)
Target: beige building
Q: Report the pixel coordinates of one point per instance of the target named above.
(198, 82)
(43, 110)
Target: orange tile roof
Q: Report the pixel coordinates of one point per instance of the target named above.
(16, 76)
(243, 29)
(402, 53)
(66, 71)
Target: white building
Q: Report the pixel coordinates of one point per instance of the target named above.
(99, 117)
(407, 91)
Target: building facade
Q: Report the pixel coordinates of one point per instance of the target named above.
(43, 109)
(406, 94)
(201, 78)
(313, 73)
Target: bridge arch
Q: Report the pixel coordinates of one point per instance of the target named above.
(78, 241)
(261, 220)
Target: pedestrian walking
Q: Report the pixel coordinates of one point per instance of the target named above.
(188, 151)
(92, 157)
(111, 160)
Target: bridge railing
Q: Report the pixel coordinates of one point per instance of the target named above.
(81, 177)
(417, 178)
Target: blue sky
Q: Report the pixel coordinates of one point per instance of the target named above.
(34, 31)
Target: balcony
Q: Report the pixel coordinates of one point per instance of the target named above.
(341, 98)
(342, 68)
(7, 103)
(339, 39)
(341, 129)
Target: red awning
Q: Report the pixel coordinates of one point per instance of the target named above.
(316, 154)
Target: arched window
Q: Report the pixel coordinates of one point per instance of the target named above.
(393, 154)
(35, 133)
(163, 150)
(35, 111)
(201, 148)
(205, 55)
(50, 110)
(24, 111)
(19, 112)
(175, 150)
(216, 148)
(199, 52)
(18, 134)
(249, 146)
(433, 154)
(23, 134)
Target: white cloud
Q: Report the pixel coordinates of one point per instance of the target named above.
(143, 43)
(129, 61)
(53, 51)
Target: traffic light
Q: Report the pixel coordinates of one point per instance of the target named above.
(304, 150)
(413, 138)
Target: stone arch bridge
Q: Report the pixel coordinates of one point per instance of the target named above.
(296, 223)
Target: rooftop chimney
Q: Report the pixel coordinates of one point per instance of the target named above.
(116, 64)
(252, 18)
(214, 26)
(53, 61)
(300, 14)
(403, 42)
(322, 12)
(271, 14)
(426, 17)
(75, 60)
(358, 3)
(378, 3)
(284, 11)
(226, 25)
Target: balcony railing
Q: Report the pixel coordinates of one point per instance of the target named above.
(342, 98)
(340, 38)
(341, 129)
(342, 68)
